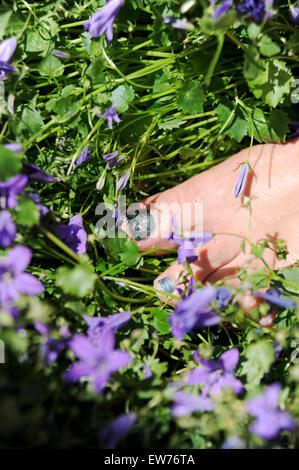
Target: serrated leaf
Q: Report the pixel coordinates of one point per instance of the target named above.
(27, 213)
(291, 275)
(273, 83)
(271, 129)
(122, 96)
(76, 281)
(190, 98)
(259, 358)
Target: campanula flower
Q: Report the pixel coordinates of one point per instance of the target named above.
(96, 360)
(241, 181)
(270, 420)
(13, 280)
(51, 347)
(102, 21)
(41, 207)
(10, 189)
(273, 296)
(217, 375)
(15, 147)
(295, 15)
(123, 180)
(177, 23)
(112, 159)
(185, 404)
(116, 430)
(73, 234)
(194, 312)
(96, 325)
(7, 49)
(258, 9)
(222, 9)
(83, 157)
(35, 173)
(8, 229)
(111, 115)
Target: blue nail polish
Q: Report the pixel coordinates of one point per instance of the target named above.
(141, 225)
(167, 285)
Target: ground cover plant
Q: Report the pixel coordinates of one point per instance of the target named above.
(130, 98)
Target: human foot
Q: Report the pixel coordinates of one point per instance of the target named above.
(273, 189)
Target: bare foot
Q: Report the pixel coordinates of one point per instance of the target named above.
(273, 189)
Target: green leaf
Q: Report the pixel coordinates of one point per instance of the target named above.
(31, 120)
(238, 122)
(267, 47)
(121, 249)
(51, 66)
(4, 19)
(76, 281)
(10, 163)
(253, 30)
(38, 41)
(273, 83)
(291, 275)
(190, 98)
(27, 213)
(253, 65)
(122, 96)
(259, 358)
(271, 129)
(160, 321)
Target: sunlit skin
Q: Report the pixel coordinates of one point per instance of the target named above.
(273, 190)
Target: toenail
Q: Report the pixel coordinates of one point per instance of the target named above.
(167, 284)
(141, 225)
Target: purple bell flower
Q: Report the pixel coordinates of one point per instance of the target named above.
(10, 189)
(83, 157)
(102, 21)
(241, 181)
(222, 9)
(7, 49)
(177, 23)
(123, 180)
(258, 9)
(73, 234)
(110, 114)
(8, 229)
(270, 420)
(96, 360)
(35, 173)
(112, 159)
(273, 296)
(15, 147)
(185, 404)
(295, 15)
(117, 430)
(194, 312)
(13, 280)
(96, 325)
(217, 375)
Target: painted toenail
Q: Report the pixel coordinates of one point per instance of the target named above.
(167, 284)
(141, 225)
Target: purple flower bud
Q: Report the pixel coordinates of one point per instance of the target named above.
(116, 430)
(8, 229)
(122, 182)
(222, 9)
(241, 181)
(295, 15)
(102, 21)
(83, 157)
(112, 159)
(7, 49)
(17, 148)
(177, 23)
(60, 54)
